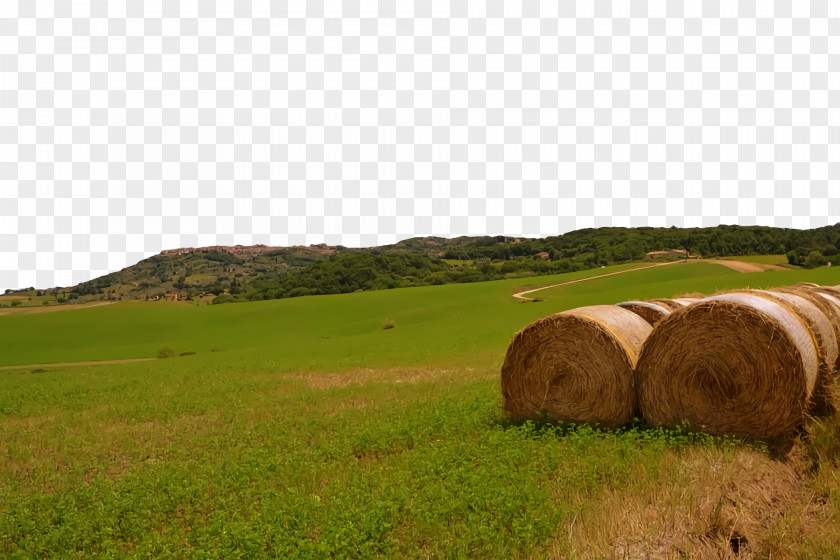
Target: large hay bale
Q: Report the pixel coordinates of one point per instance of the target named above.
(667, 303)
(832, 291)
(824, 333)
(730, 364)
(650, 312)
(685, 301)
(576, 366)
(832, 297)
(826, 302)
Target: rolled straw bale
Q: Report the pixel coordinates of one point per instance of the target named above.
(576, 365)
(731, 364)
(667, 303)
(832, 291)
(684, 301)
(650, 312)
(834, 299)
(828, 290)
(828, 303)
(826, 337)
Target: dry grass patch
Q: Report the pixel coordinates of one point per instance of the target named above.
(322, 381)
(707, 504)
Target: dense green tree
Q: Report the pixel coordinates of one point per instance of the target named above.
(814, 259)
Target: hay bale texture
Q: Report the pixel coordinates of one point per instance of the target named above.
(666, 303)
(685, 301)
(825, 334)
(832, 292)
(730, 364)
(650, 312)
(824, 300)
(831, 297)
(575, 366)
(673, 304)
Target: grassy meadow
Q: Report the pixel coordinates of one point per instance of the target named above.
(303, 428)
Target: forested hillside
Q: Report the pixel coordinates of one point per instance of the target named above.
(260, 272)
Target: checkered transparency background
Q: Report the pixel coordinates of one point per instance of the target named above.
(131, 127)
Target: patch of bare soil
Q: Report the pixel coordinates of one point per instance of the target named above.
(745, 266)
(320, 381)
(749, 506)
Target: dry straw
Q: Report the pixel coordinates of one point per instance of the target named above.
(650, 312)
(729, 364)
(576, 366)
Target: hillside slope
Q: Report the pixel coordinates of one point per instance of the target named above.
(261, 272)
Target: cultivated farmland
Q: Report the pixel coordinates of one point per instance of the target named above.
(303, 428)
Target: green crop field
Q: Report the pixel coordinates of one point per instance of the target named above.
(303, 428)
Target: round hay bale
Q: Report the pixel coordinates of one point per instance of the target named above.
(825, 334)
(811, 287)
(826, 302)
(685, 301)
(831, 297)
(650, 312)
(828, 290)
(576, 365)
(730, 364)
(667, 303)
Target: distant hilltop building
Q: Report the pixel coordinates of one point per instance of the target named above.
(669, 254)
(183, 251)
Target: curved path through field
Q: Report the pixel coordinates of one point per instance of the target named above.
(69, 364)
(50, 308)
(522, 295)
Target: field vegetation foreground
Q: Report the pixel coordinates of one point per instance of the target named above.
(303, 428)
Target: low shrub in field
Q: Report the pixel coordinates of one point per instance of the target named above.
(388, 324)
(166, 352)
(188, 353)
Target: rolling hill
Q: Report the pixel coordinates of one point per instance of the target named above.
(260, 272)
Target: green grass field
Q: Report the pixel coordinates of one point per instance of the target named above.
(302, 428)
